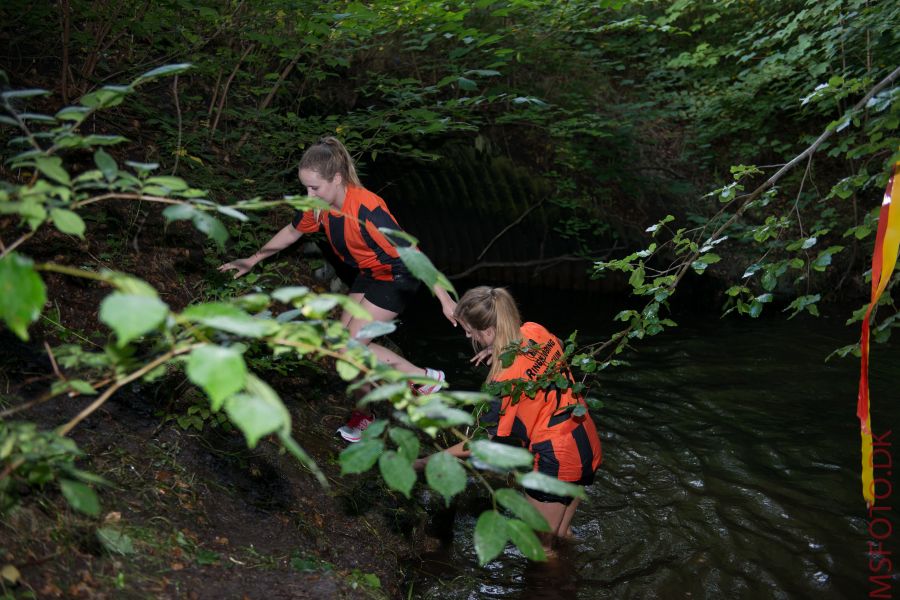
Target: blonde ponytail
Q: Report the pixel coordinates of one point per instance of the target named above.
(328, 157)
(483, 307)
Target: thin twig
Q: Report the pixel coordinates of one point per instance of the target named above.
(65, 429)
(221, 107)
(526, 263)
(507, 228)
(66, 18)
(215, 93)
(16, 243)
(270, 96)
(56, 370)
(747, 200)
(177, 112)
(118, 196)
(46, 397)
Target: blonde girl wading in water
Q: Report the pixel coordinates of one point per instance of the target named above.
(565, 446)
(383, 285)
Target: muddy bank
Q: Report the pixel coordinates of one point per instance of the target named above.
(199, 515)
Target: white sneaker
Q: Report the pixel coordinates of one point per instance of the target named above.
(424, 390)
(352, 430)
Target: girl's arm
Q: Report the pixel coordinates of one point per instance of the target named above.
(447, 303)
(281, 240)
(457, 450)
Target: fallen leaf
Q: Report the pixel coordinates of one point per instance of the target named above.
(10, 574)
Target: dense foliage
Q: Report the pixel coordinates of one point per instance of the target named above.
(674, 124)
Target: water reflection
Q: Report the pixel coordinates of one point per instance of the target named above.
(731, 470)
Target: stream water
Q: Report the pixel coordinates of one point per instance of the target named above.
(731, 464)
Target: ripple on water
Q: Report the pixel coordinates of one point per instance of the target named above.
(730, 471)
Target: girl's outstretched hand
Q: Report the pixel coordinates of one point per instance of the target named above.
(484, 356)
(448, 308)
(241, 266)
(447, 303)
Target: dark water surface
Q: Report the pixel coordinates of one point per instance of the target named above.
(731, 464)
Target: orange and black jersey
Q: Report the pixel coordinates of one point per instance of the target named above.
(354, 236)
(565, 446)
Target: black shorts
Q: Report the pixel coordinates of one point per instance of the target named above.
(389, 295)
(567, 500)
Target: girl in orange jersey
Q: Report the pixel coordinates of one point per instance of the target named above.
(383, 285)
(565, 446)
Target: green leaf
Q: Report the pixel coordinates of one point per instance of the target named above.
(518, 505)
(490, 535)
(212, 227)
(524, 538)
(51, 166)
(444, 415)
(233, 213)
(375, 329)
(422, 268)
(466, 84)
(445, 475)
(179, 212)
(28, 93)
(359, 457)
(130, 285)
(393, 234)
(80, 497)
(220, 371)
(22, 293)
(162, 71)
(82, 387)
(115, 541)
(228, 318)
(252, 302)
(41, 118)
(550, 485)
(483, 72)
(173, 184)
(347, 371)
(103, 140)
(397, 472)
(106, 164)
(73, 113)
(67, 221)
(375, 430)
(318, 306)
(258, 412)
(141, 167)
(288, 294)
(384, 392)
(105, 97)
(407, 443)
(132, 316)
(501, 455)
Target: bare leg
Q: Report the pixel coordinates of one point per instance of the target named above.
(553, 512)
(346, 316)
(383, 354)
(565, 526)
